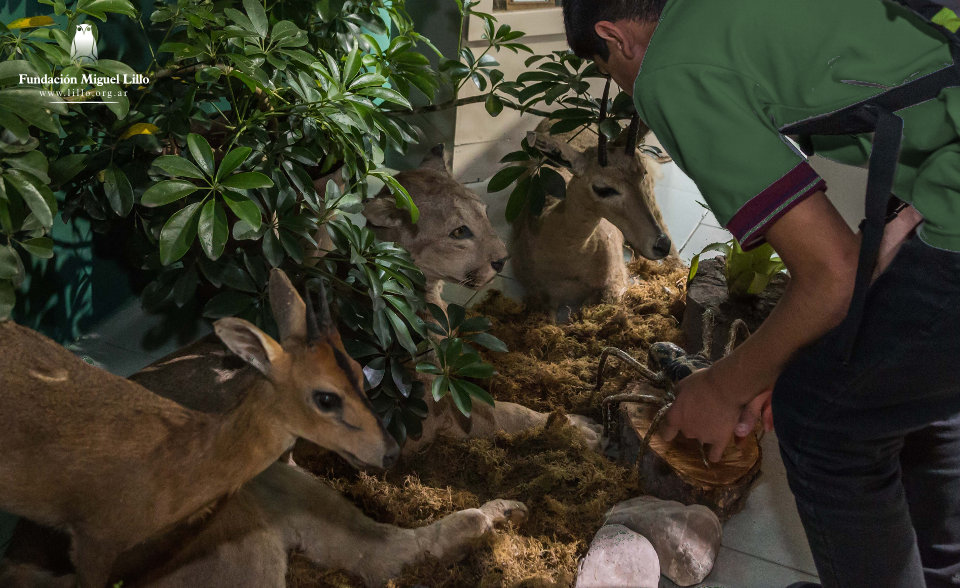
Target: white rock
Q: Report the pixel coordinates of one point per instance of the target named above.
(619, 558)
(686, 538)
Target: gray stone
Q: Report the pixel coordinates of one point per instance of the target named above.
(686, 538)
(619, 558)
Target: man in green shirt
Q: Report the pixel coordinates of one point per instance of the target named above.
(871, 442)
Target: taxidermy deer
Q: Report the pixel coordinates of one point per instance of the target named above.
(115, 464)
(572, 254)
(246, 540)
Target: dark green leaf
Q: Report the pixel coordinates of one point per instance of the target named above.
(186, 287)
(476, 370)
(440, 387)
(178, 234)
(178, 166)
(118, 190)
(212, 229)
(247, 181)
(272, 248)
(228, 303)
(505, 177)
(461, 397)
(202, 153)
(32, 162)
(455, 314)
(429, 368)
(518, 200)
(41, 247)
(476, 391)
(9, 263)
(493, 104)
(166, 192)
(233, 160)
(401, 332)
(30, 190)
(258, 16)
(245, 209)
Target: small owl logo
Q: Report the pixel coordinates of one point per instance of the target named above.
(84, 48)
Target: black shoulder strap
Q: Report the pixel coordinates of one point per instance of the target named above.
(877, 115)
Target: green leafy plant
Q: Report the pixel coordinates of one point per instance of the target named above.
(213, 161)
(458, 361)
(561, 80)
(748, 273)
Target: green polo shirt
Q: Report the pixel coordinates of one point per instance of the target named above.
(720, 79)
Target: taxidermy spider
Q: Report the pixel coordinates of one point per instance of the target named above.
(671, 364)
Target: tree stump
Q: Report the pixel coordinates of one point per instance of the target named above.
(675, 471)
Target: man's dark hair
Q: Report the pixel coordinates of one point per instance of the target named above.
(580, 16)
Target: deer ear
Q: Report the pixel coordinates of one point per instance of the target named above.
(382, 211)
(559, 149)
(249, 343)
(436, 160)
(289, 310)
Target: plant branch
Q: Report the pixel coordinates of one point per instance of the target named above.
(456, 103)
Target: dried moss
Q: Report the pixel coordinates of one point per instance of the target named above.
(565, 486)
(553, 366)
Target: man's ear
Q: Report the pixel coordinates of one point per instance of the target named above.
(620, 37)
(610, 32)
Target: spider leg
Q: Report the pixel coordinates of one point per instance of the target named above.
(709, 321)
(738, 332)
(611, 418)
(646, 372)
(654, 425)
(669, 397)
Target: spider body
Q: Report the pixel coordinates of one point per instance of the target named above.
(673, 362)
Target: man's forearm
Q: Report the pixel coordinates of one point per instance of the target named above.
(820, 251)
(808, 309)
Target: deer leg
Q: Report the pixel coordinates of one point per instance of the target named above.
(451, 537)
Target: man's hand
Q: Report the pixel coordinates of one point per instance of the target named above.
(758, 409)
(704, 412)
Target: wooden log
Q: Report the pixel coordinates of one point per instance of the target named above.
(675, 471)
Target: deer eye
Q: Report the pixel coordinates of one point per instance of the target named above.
(605, 191)
(462, 232)
(327, 401)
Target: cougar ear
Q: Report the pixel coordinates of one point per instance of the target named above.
(382, 211)
(436, 159)
(249, 343)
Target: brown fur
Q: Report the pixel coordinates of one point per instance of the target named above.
(572, 254)
(113, 463)
(445, 206)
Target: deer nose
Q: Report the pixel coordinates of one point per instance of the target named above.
(662, 246)
(391, 456)
(498, 264)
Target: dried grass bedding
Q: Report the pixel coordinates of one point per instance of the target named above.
(566, 487)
